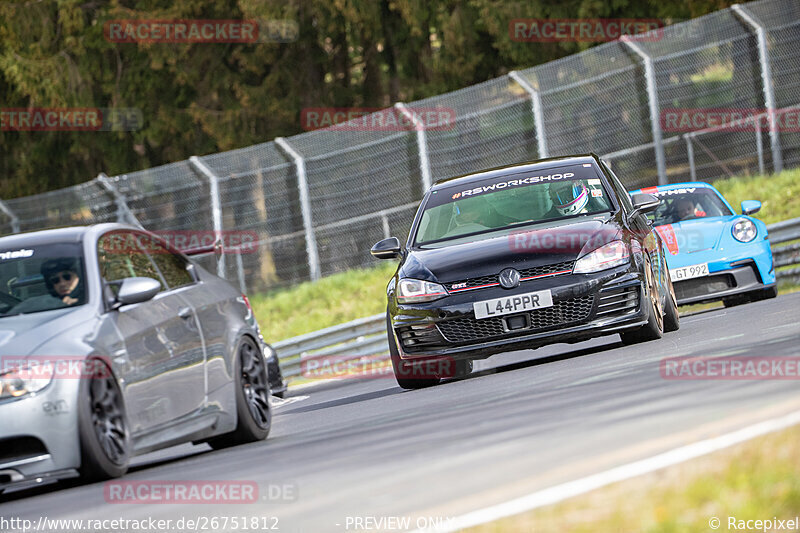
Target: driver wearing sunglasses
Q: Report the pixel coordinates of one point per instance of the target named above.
(62, 280)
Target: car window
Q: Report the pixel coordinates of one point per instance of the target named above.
(120, 255)
(492, 205)
(41, 278)
(173, 267)
(678, 205)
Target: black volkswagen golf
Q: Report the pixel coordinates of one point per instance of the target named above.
(519, 257)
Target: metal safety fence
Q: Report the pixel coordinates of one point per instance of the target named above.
(317, 201)
(356, 349)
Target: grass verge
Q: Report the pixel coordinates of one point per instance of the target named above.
(357, 293)
(754, 480)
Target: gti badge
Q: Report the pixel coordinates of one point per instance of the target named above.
(509, 278)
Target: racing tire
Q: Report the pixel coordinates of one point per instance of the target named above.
(105, 442)
(253, 410)
(672, 318)
(402, 369)
(654, 329)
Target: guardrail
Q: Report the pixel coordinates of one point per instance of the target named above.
(362, 338)
(365, 338)
(786, 254)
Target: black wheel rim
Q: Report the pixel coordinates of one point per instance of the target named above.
(254, 384)
(108, 418)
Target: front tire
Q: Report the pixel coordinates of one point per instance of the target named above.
(654, 329)
(253, 410)
(672, 318)
(105, 442)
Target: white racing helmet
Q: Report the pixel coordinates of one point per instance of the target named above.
(569, 197)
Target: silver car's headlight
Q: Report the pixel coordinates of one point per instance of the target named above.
(744, 230)
(24, 380)
(609, 255)
(415, 291)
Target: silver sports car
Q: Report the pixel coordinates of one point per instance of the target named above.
(112, 345)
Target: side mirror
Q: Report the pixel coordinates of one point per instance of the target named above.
(386, 249)
(137, 290)
(751, 206)
(644, 203)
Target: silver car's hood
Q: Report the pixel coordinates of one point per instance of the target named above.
(21, 335)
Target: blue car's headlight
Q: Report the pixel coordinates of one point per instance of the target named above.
(744, 230)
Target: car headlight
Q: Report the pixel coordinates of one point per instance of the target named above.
(607, 256)
(744, 230)
(25, 380)
(415, 291)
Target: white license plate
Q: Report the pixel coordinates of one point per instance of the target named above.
(513, 304)
(689, 272)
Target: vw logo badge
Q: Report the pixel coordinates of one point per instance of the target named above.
(509, 278)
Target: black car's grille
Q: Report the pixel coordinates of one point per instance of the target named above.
(533, 272)
(566, 312)
(617, 301)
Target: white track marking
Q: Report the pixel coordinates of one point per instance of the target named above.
(561, 492)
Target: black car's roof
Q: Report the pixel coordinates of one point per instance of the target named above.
(516, 168)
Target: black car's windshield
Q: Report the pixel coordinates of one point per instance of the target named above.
(41, 278)
(687, 203)
(511, 200)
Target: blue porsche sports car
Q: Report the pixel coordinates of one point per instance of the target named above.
(714, 253)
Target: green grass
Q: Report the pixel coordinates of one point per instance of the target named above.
(751, 481)
(332, 300)
(350, 295)
(779, 194)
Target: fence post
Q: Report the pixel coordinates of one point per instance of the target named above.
(766, 82)
(422, 145)
(240, 271)
(690, 156)
(760, 147)
(216, 206)
(536, 107)
(10, 214)
(124, 213)
(305, 207)
(652, 97)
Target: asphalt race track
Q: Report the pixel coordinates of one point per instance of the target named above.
(524, 421)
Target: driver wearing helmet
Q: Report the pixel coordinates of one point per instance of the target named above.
(568, 198)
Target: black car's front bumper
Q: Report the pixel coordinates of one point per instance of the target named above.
(584, 306)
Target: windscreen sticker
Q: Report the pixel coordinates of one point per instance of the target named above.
(669, 192)
(513, 183)
(597, 193)
(16, 254)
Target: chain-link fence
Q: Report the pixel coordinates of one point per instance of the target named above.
(316, 202)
